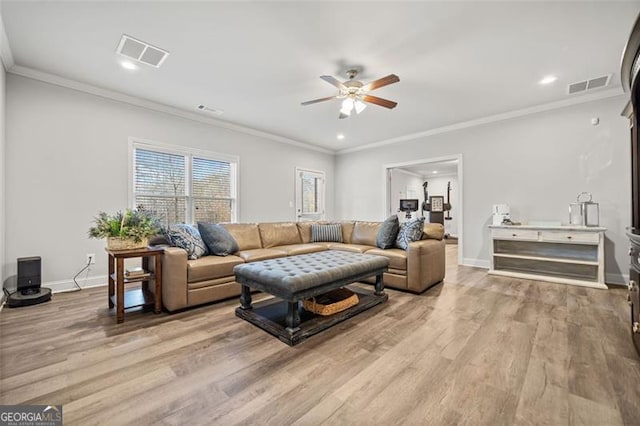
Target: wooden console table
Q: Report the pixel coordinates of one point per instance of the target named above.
(136, 297)
(563, 254)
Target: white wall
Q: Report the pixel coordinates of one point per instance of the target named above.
(438, 186)
(537, 164)
(2, 171)
(402, 183)
(67, 155)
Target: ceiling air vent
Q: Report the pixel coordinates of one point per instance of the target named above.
(594, 83)
(141, 51)
(210, 110)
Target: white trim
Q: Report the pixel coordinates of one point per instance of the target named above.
(386, 187)
(155, 106)
(604, 94)
(476, 263)
(188, 153)
(63, 286)
(616, 279)
(5, 49)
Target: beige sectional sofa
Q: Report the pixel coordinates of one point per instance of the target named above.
(188, 283)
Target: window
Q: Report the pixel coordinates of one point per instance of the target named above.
(309, 194)
(181, 186)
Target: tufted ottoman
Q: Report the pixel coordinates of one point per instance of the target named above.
(295, 278)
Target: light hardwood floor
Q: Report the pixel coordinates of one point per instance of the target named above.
(477, 350)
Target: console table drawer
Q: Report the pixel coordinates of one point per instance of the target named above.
(570, 237)
(515, 234)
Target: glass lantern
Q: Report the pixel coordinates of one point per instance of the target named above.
(584, 212)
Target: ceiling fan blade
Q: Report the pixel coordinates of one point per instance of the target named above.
(379, 101)
(318, 100)
(384, 81)
(333, 81)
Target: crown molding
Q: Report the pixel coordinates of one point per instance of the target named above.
(155, 106)
(611, 93)
(5, 49)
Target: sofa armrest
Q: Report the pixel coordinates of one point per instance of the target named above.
(425, 264)
(174, 278)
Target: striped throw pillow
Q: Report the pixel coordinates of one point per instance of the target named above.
(326, 233)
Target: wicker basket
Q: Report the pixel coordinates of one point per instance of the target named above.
(331, 302)
(117, 243)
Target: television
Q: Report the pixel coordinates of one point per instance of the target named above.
(409, 205)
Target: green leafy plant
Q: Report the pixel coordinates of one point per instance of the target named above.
(134, 224)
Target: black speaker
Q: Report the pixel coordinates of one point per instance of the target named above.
(29, 274)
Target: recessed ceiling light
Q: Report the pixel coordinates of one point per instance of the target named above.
(548, 79)
(128, 65)
(340, 136)
(435, 172)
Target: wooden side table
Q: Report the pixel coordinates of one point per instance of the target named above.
(136, 297)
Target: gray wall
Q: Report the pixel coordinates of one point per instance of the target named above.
(67, 158)
(537, 164)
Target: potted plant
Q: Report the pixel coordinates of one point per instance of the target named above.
(125, 230)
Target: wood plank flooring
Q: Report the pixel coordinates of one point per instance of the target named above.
(475, 350)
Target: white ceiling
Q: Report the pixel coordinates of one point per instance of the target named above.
(457, 61)
(427, 170)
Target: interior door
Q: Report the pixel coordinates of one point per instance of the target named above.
(310, 195)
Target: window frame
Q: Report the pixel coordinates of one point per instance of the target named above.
(298, 198)
(188, 154)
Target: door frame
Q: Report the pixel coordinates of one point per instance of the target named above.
(297, 196)
(386, 196)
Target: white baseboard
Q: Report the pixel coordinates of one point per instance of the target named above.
(68, 285)
(476, 263)
(616, 279)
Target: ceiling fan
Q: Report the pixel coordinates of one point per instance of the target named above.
(354, 93)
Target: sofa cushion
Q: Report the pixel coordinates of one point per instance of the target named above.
(211, 267)
(260, 254)
(410, 231)
(326, 233)
(246, 235)
(388, 232)
(355, 248)
(218, 240)
(397, 257)
(365, 233)
(187, 238)
(295, 249)
(279, 234)
(432, 231)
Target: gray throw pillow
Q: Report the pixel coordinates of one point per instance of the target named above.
(410, 231)
(219, 241)
(326, 233)
(388, 232)
(187, 238)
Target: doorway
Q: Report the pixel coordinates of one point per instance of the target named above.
(440, 179)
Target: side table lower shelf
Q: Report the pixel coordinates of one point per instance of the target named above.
(135, 298)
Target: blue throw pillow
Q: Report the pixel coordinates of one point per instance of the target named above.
(187, 238)
(410, 231)
(218, 240)
(326, 233)
(388, 232)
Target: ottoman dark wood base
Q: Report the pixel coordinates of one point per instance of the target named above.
(295, 278)
(271, 316)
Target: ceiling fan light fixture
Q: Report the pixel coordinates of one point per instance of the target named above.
(360, 106)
